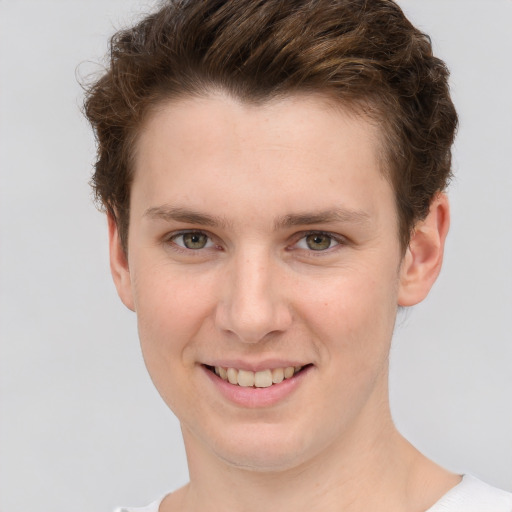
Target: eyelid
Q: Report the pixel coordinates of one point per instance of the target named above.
(170, 237)
(339, 239)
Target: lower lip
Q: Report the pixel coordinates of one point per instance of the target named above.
(252, 397)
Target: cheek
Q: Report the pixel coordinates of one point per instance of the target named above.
(353, 316)
(170, 312)
(171, 308)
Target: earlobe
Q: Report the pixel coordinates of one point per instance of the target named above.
(119, 265)
(424, 256)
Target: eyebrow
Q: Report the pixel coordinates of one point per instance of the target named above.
(180, 214)
(169, 213)
(329, 216)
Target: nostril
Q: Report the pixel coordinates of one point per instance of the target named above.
(252, 304)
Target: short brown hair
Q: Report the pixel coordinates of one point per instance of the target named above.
(363, 53)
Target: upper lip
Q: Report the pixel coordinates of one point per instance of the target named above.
(254, 366)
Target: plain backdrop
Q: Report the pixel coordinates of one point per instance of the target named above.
(81, 427)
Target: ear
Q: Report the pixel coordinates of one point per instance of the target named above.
(119, 265)
(424, 256)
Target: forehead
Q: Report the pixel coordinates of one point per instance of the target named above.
(295, 112)
(296, 149)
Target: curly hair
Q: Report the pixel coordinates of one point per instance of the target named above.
(363, 53)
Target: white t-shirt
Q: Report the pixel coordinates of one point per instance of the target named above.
(470, 495)
(473, 495)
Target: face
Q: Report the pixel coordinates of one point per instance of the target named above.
(263, 242)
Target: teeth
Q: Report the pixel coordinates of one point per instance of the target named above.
(261, 379)
(277, 375)
(288, 372)
(245, 378)
(232, 375)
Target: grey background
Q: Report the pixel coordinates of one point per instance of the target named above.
(81, 427)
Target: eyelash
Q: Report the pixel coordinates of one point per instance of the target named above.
(339, 241)
(170, 240)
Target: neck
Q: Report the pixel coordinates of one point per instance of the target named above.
(327, 483)
(372, 467)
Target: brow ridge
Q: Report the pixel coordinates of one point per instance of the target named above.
(322, 217)
(180, 214)
(190, 216)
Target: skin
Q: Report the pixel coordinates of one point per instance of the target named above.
(260, 176)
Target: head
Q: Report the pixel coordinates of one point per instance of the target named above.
(365, 56)
(272, 174)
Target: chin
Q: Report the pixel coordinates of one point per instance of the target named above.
(261, 461)
(263, 448)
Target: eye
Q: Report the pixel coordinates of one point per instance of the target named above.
(317, 242)
(193, 240)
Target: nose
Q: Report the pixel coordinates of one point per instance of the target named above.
(253, 306)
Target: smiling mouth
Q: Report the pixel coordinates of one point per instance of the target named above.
(261, 379)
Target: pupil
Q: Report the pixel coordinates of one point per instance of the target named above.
(318, 242)
(194, 240)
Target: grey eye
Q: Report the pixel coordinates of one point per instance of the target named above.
(192, 240)
(318, 241)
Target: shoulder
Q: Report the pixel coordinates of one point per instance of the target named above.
(152, 507)
(473, 495)
(172, 499)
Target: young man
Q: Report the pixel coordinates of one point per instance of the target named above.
(273, 176)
